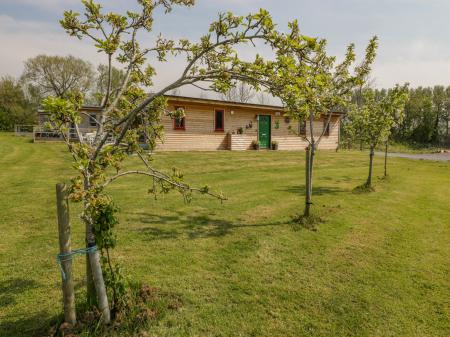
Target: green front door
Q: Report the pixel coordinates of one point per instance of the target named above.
(264, 131)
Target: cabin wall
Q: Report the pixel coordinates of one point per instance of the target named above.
(199, 133)
(85, 120)
(287, 140)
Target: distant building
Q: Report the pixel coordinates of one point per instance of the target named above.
(211, 125)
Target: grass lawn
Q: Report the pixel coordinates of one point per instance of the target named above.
(378, 266)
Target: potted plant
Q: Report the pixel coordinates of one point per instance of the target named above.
(274, 145)
(255, 144)
(240, 130)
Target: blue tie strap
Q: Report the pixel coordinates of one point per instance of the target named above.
(69, 256)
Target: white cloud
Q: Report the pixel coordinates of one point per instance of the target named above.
(42, 3)
(413, 47)
(417, 73)
(25, 39)
(420, 62)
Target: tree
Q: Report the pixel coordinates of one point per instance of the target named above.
(131, 116)
(239, 92)
(58, 76)
(310, 84)
(446, 117)
(262, 98)
(376, 118)
(101, 85)
(357, 98)
(419, 124)
(398, 116)
(426, 117)
(439, 99)
(14, 107)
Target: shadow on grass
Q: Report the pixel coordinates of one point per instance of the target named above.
(202, 225)
(316, 190)
(10, 288)
(336, 179)
(194, 226)
(36, 325)
(29, 326)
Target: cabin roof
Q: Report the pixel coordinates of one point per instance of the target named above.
(83, 108)
(187, 99)
(223, 102)
(337, 111)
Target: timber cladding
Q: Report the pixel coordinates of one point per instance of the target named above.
(211, 125)
(239, 127)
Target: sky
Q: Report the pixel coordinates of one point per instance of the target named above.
(414, 39)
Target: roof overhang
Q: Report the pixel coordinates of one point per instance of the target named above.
(193, 100)
(174, 99)
(83, 108)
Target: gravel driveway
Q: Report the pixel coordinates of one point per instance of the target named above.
(419, 156)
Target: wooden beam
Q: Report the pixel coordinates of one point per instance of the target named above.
(62, 203)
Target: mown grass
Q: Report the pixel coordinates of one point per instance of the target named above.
(378, 265)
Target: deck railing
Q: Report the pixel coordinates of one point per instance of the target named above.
(41, 133)
(24, 130)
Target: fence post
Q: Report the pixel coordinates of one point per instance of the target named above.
(62, 203)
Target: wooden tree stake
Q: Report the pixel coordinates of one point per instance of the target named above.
(308, 182)
(62, 204)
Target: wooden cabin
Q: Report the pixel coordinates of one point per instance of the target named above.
(211, 125)
(89, 117)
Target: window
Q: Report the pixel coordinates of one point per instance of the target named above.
(43, 118)
(92, 119)
(179, 123)
(302, 128)
(219, 120)
(327, 130)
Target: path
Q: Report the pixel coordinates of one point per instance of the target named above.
(419, 156)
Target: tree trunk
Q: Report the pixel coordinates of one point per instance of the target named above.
(436, 127)
(446, 130)
(97, 277)
(64, 248)
(385, 157)
(311, 166)
(94, 274)
(91, 297)
(447, 126)
(307, 182)
(310, 152)
(369, 178)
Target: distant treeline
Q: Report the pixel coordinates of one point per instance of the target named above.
(15, 107)
(425, 121)
(45, 75)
